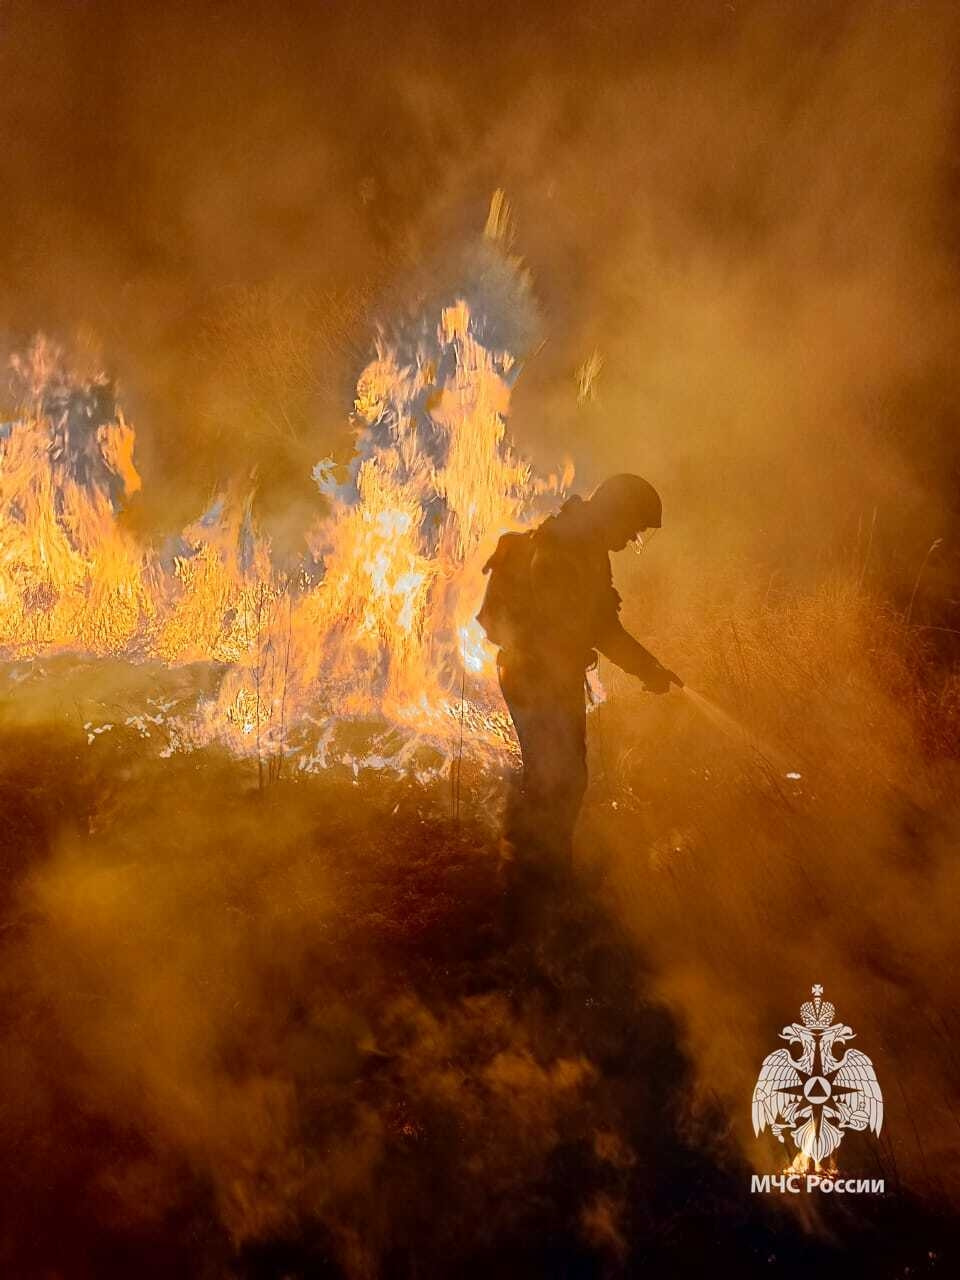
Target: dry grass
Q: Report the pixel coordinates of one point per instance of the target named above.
(745, 884)
(283, 1032)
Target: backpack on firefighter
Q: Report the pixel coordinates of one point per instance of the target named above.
(507, 614)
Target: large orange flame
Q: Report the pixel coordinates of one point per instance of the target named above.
(378, 625)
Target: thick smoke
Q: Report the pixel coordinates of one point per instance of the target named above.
(745, 210)
(241, 1022)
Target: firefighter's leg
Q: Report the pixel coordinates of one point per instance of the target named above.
(541, 834)
(522, 797)
(549, 715)
(562, 771)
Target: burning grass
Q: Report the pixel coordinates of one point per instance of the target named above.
(376, 615)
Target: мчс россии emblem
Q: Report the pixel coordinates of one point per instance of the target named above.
(817, 1096)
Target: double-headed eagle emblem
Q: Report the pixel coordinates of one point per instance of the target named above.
(817, 1096)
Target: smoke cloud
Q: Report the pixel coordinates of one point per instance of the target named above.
(252, 1031)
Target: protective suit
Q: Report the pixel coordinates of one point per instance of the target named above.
(551, 605)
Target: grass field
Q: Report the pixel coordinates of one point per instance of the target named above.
(284, 1030)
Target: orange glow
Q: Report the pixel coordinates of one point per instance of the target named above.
(380, 626)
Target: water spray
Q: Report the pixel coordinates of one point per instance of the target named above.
(733, 729)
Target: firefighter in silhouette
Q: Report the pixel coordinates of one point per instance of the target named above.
(550, 604)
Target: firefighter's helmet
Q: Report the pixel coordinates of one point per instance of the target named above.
(628, 500)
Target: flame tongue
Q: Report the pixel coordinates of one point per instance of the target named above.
(69, 576)
(386, 629)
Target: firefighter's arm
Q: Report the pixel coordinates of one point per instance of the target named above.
(617, 644)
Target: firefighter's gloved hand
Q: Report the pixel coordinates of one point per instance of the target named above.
(659, 680)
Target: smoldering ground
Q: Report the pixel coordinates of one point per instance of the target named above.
(284, 1032)
(279, 1033)
(234, 1054)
